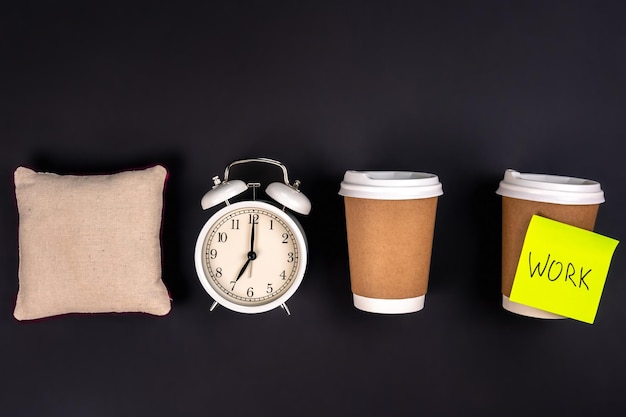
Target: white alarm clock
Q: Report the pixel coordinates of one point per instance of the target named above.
(250, 256)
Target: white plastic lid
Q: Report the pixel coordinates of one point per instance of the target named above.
(390, 185)
(550, 188)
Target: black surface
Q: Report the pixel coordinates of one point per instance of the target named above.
(461, 89)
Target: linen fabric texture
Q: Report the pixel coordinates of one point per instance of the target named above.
(90, 244)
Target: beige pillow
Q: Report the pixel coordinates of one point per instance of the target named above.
(90, 244)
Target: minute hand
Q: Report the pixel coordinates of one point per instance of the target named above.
(252, 238)
(251, 254)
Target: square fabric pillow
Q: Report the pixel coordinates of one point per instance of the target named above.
(90, 244)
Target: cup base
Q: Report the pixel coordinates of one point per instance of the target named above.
(525, 310)
(389, 306)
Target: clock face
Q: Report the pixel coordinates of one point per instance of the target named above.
(251, 256)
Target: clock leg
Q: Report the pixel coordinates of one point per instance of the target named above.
(284, 306)
(215, 304)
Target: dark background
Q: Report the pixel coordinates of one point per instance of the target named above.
(461, 89)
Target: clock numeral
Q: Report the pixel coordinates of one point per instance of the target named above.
(250, 292)
(234, 224)
(290, 257)
(213, 253)
(269, 288)
(254, 219)
(222, 237)
(233, 287)
(285, 237)
(271, 224)
(218, 272)
(283, 275)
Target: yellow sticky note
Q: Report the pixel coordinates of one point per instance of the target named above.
(562, 269)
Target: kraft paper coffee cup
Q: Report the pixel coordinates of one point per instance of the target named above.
(574, 201)
(390, 222)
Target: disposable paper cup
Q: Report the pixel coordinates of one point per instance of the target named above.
(574, 201)
(390, 222)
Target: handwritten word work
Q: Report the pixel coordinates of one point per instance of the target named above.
(555, 270)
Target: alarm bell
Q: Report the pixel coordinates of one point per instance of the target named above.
(289, 196)
(222, 191)
(284, 193)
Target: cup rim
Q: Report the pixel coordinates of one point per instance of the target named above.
(528, 311)
(388, 306)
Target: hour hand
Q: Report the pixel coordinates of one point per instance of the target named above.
(243, 269)
(251, 257)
